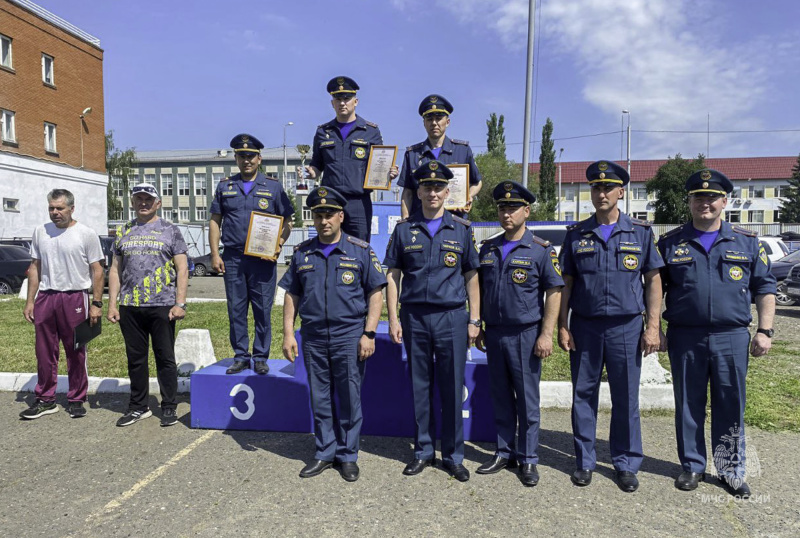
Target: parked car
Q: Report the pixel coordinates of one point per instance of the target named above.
(202, 264)
(774, 246)
(792, 283)
(782, 267)
(24, 243)
(14, 263)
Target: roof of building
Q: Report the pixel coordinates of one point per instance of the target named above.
(206, 155)
(57, 21)
(736, 168)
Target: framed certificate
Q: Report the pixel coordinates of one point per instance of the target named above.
(459, 187)
(263, 235)
(381, 160)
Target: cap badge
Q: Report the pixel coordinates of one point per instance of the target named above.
(602, 166)
(508, 186)
(322, 191)
(705, 174)
(340, 80)
(434, 98)
(245, 138)
(433, 165)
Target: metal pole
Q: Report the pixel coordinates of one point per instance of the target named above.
(526, 137)
(81, 117)
(285, 186)
(708, 137)
(560, 152)
(628, 197)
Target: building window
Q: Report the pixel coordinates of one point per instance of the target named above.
(736, 193)
(11, 204)
(641, 215)
(756, 216)
(569, 194)
(734, 216)
(776, 215)
(131, 213)
(569, 215)
(782, 191)
(638, 193)
(200, 213)
(47, 70)
(200, 185)
(215, 179)
(166, 184)
(6, 58)
(307, 214)
(50, 137)
(8, 128)
(116, 184)
(183, 184)
(133, 179)
(183, 214)
(755, 191)
(150, 179)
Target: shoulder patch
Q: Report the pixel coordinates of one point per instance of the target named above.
(465, 222)
(574, 226)
(462, 142)
(413, 147)
(301, 245)
(640, 222)
(401, 221)
(670, 233)
(540, 241)
(357, 241)
(371, 124)
(744, 231)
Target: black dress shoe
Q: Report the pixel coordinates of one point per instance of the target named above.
(530, 476)
(688, 481)
(417, 466)
(261, 367)
(627, 481)
(314, 468)
(238, 366)
(457, 470)
(496, 464)
(349, 470)
(582, 477)
(742, 490)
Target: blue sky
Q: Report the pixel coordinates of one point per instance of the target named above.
(191, 74)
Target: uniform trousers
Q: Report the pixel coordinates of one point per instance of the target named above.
(139, 325)
(335, 374)
(436, 341)
(613, 341)
(358, 216)
(249, 280)
(56, 314)
(699, 355)
(514, 373)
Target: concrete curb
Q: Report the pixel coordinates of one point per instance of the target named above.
(556, 394)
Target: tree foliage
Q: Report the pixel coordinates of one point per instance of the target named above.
(547, 175)
(494, 169)
(119, 165)
(496, 138)
(790, 206)
(669, 186)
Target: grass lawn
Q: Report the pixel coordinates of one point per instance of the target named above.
(773, 389)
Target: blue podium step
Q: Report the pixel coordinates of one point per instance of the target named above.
(279, 401)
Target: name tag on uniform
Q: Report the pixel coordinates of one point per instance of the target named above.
(682, 259)
(360, 142)
(347, 259)
(487, 261)
(584, 250)
(454, 248)
(736, 256)
(328, 143)
(630, 247)
(517, 262)
(306, 267)
(263, 193)
(229, 193)
(411, 248)
(348, 265)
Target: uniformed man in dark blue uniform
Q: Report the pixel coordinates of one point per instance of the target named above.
(435, 111)
(341, 152)
(334, 282)
(604, 259)
(436, 254)
(712, 271)
(517, 271)
(248, 279)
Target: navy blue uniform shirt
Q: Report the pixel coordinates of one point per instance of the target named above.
(713, 288)
(344, 162)
(453, 152)
(512, 290)
(608, 276)
(333, 291)
(230, 201)
(433, 267)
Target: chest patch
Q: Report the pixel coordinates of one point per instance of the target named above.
(348, 277)
(450, 259)
(519, 276)
(360, 153)
(263, 203)
(736, 272)
(630, 262)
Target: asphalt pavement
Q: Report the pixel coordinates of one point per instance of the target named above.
(86, 477)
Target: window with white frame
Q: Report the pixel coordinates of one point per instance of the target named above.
(757, 216)
(569, 215)
(183, 185)
(569, 194)
(47, 69)
(216, 177)
(307, 214)
(200, 184)
(116, 184)
(291, 176)
(755, 191)
(133, 179)
(183, 214)
(131, 213)
(166, 184)
(50, 137)
(6, 56)
(200, 212)
(776, 215)
(641, 215)
(638, 193)
(8, 128)
(736, 193)
(150, 179)
(11, 204)
(733, 216)
(782, 191)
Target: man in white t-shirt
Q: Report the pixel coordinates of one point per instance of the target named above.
(66, 263)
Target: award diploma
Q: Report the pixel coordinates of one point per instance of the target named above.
(381, 160)
(263, 235)
(459, 187)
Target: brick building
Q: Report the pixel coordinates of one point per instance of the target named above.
(51, 118)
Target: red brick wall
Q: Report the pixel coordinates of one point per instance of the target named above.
(78, 78)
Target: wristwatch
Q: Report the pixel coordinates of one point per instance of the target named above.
(98, 304)
(476, 322)
(182, 306)
(768, 332)
(370, 334)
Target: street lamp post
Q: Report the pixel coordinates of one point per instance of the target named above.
(560, 153)
(86, 112)
(628, 196)
(285, 186)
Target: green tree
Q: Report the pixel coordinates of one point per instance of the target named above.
(494, 169)
(547, 175)
(790, 206)
(119, 165)
(496, 138)
(298, 215)
(668, 185)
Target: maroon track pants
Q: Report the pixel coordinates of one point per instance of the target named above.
(56, 314)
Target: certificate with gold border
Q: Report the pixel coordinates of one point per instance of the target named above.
(263, 235)
(459, 187)
(381, 160)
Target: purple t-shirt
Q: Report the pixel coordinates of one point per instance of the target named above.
(607, 230)
(706, 238)
(146, 269)
(436, 152)
(247, 186)
(327, 248)
(508, 246)
(345, 128)
(433, 225)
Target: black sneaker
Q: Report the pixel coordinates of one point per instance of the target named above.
(132, 417)
(169, 417)
(39, 409)
(76, 410)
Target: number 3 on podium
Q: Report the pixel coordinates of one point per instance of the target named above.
(249, 402)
